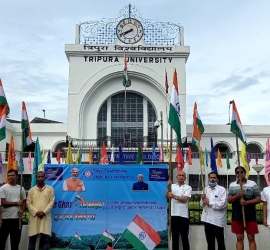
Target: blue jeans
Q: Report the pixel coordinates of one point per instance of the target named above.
(44, 243)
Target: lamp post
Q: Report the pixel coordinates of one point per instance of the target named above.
(156, 125)
(258, 168)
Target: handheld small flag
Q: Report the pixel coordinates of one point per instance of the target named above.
(77, 236)
(106, 236)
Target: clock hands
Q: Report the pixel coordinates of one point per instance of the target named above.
(126, 32)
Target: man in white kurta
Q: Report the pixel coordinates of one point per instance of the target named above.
(40, 201)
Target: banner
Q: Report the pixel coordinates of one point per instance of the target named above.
(267, 162)
(98, 202)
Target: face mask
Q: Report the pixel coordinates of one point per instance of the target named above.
(212, 184)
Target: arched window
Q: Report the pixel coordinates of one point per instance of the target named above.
(60, 146)
(102, 124)
(254, 151)
(223, 149)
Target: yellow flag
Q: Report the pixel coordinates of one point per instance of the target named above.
(11, 164)
(244, 161)
(201, 157)
(168, 154)
(219, 159)
(40, 167)
(90, 159)
(69, 158)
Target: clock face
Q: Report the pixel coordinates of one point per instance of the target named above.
(129, 30)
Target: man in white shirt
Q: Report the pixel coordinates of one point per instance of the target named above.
(179, 193)
(214, 213)
(266, 205)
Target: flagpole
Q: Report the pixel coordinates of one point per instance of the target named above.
(20, 218)
(117, 240)
(200, 155)
(97, 243)
(170, 188)
(70, 242)
(240, 182)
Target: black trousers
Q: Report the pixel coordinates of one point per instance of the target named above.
(213, 232)
(180, 226)
(44, 243)
(10, 227)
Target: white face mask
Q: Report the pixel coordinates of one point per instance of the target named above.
(212, 184)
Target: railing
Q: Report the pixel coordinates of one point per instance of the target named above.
(195, 211)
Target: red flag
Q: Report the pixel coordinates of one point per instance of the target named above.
(104, 157)
(166, 82)
(179, 159)
(189, 156)
(160, 154)
(58, 158)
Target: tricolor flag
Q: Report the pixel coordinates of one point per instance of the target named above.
(106, 236)
(236, 125)
(125, 77)
(141, 235)
(174, 113)
(3, 99)
(198, 128)
(25, 126)
(3, 117)
(77, 236)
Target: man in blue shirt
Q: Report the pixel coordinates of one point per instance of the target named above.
(140, 185)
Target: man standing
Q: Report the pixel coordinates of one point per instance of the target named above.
(140, 185)
(179, 195)
(246, 198)
(13, 205)
(73, 183)
(266, 205)
(40, 201)
(214, 213)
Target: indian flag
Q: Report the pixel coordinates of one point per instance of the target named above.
(198, 128)
(236, 125)
(25, 126)
(141, 235)
(106, 236)
(125, 78)
(174, 113)
(3, 117)
(77, 236)
(3, 99)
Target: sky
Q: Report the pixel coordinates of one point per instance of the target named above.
(229, 43)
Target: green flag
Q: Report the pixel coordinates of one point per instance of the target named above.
(139, 155)
(228, 161)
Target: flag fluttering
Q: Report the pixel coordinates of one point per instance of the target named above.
(219, 159)
(132, 234)
(139, 155)
(160, 154)
(198, 127)
(228, 161)
(206, 157)
(30, 161)
(174, 112)
(154, 155)
(58, 157)
(37, 163)
(49, 157)
(69, 158)
(76, 235)
(3, 118)
(121, 155)
(236, 125)
(213, 163)
(91, 158)
(189, 156)
(3, 99)
(179, 159)
(106, 236)
(79, 156)
(11, 164)
(243, 156)
(104, 157)
(25, 126)
(21, 166)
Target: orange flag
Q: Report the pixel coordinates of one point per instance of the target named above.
(11, 164)
(90, 159)
(104, 157)
(219, 162)
(189, 156)
(179, 159)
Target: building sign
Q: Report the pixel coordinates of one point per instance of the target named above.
(133, 59)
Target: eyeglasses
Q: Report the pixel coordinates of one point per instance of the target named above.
(241, 172)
